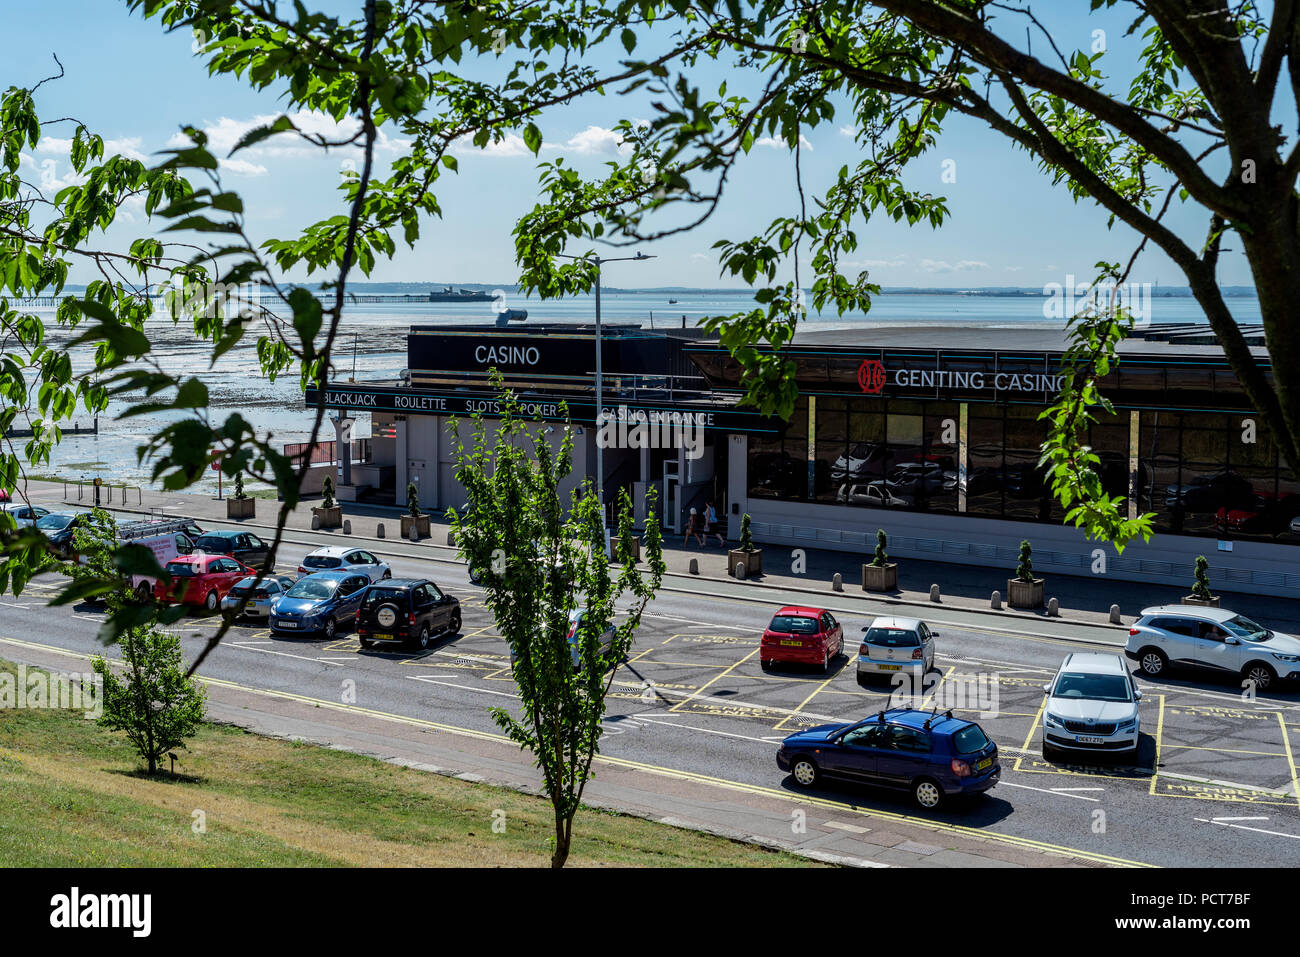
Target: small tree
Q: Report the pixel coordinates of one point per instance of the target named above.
(746, 536)
(239, 486)
(154, 704)
(541, 561)
(327, 491)
(413, 500)
(1201, 587)
(1025, 569)
(881, 559)
(93, 543)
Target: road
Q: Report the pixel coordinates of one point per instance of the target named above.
(1215, 782)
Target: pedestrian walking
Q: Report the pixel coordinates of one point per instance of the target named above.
(711, 524)
(693, 528)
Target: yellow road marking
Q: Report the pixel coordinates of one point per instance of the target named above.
(799, 708)
(1290, 759)
(1193, 747)
(715, 678)
(1160, 730)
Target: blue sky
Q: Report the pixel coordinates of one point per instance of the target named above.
(137, 86)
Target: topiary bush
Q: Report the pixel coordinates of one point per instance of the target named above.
(1201, 587)
(1025, 568)
(327, 491)
(746, 536)
(881, 558)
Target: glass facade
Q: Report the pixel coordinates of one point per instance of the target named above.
(1210, 474)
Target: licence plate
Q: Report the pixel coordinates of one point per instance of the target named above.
(983, 764)
(286, 624)
(891, 667)
(796, 644)
(1086, 739)
(383, 637)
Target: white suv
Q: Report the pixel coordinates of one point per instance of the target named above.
(1211, 639)
(1092, 706)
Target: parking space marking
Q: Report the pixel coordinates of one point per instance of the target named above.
(1290, 758)
(1160, 731)
(802, 704)
(283, 654)
(1229, 822)
(1059, 792)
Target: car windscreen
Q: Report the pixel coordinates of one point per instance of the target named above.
(1247, 629)
(891, 638)
(182, 569)
(215, 543)
(321, 561)
(53, 523)
(1092, 687)
(791, 625)
(377, 596)
(970, 740)
(313, 588)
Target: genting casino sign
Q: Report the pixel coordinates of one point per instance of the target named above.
(873, 377)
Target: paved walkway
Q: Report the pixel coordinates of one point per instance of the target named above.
(965, 587)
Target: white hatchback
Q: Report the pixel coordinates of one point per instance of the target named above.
(345, 558)
(1092, 707)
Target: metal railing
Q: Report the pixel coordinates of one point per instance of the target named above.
(86, 492)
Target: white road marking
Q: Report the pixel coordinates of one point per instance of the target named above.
(1242, 827)
(284, 654)
(1026, 787)
(690, 727)
(449, 684)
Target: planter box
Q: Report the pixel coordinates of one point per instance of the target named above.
(1212, 602)
(1025, 594)
(880, 577)
(421, 526)
(753, 562)
(239, 508)
(613, 548)
(329, 517)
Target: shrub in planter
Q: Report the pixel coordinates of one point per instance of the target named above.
(239, 505)
(747, 552)
(414, 518)
(1201, 594)
(329, 512)
(880, 574)
(1025, 591)
(614, 542)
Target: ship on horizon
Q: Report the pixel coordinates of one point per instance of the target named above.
(448, 294)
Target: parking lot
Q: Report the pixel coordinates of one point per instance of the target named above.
(1201, 740)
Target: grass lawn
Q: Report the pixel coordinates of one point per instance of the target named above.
(73, 794)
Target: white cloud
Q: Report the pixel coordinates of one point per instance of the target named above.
(777, 144)
(128, 146)
(225, 132)
(1013, 268)
(701, 257)
(940, 265)
(597, 140)
(47, 174)
(511, 145)
(242, 167)
(849, 131)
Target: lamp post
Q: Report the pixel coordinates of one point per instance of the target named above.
(599, 261)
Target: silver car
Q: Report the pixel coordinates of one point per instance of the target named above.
(257, 601)
(24, 515)
(1092, 707)
(1211, 639)
(605, 640)
(892, 645)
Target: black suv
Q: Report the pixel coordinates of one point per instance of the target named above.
(242, 546)
(411, 610)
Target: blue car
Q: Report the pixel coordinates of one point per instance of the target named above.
(317, 603)
(930, 755)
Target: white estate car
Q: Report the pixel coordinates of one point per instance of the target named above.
(345, 558)
(893, 645)
(1092, 707)
(1211, 639)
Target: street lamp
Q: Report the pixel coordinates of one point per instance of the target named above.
(599, 261)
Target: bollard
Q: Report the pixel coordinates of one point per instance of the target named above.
(837, 582)
(740, 570)
(1053, 608)
(694, 567)
(315, 523)
(451, 539)
(1114, 615)
(415, 533)
(995, 601)
(347, 526)
(934, 593)
(379, 530)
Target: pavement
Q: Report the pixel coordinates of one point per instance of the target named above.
(692, 721)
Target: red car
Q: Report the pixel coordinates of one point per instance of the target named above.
(201, 580)
(809, 636)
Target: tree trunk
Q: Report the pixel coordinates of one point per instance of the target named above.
(562, 835)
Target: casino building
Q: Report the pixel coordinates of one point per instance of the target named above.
(929, 432)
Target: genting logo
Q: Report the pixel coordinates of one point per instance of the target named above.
(871, 376)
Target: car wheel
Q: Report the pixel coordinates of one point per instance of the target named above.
(1259, 674)
(423, 640)
(927, 794)
(388, 573)
(826, 662)
(1152, 662)
(805, 772)
(366, 643)
(454, 628)
(143, 592)
(1049, 752)
(211, 602)
(330, 628)
(765, 664)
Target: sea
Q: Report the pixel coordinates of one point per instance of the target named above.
(372, 346)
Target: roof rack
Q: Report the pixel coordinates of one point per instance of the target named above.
(127, 531)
